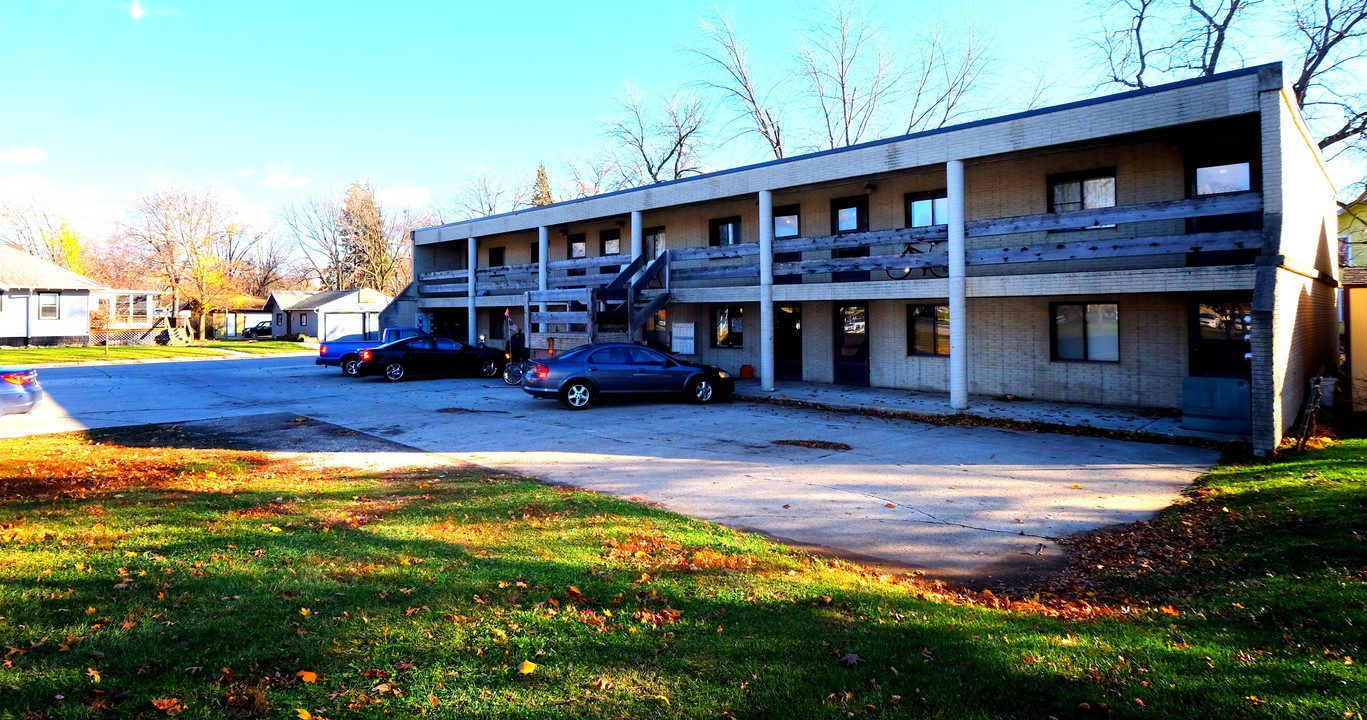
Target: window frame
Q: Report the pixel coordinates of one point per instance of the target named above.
(936, 322)
(502, 256)
(55, 306)
(738, 318)
(793, 211)
(1080, 177)
(534, 252)
(860, 203)
(303, 319)
(571, 240)
(605, 237)
(1086, 350)
(715, 225)
(923, 196)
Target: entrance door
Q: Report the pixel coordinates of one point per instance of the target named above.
(788, 342)
(852, 345)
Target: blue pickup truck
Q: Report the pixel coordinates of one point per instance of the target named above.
(346, 353)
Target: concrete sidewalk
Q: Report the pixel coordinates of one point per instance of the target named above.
(1143, 424)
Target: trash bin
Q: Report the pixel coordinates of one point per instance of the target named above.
(1328, 386)
(747, 372)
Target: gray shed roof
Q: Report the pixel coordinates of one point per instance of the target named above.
(18, 269)
(337, 300)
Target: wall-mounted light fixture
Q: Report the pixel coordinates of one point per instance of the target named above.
(870, 188)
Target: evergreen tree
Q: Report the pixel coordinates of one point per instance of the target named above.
(541, 189)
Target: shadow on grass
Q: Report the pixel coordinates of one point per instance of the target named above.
(441, 588)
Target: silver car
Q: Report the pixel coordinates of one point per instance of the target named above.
(19, 390)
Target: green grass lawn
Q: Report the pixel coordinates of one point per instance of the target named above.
(139, 580)
(40, 356)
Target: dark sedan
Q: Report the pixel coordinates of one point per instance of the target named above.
(427, 355)
(579, 376)
(19, 390)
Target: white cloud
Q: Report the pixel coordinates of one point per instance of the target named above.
(24, 187)
(31, 155)
(282, 179)
(90, 191)
(410, 197)
(244, 172)
(135, 10)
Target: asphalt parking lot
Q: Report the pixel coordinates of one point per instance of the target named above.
(963, 503)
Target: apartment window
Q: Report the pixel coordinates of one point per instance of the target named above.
(577, 248)
(724, 231)
(609, 243)
(927, 208)
(1082, 191)
(534, 252)
(1221, 179)
(727, 326)
(1085, 332)
(48, 309)
(496, 257)
(497, 326)
(786, 222)
(928, 330)
(850, 214)
(653, 241)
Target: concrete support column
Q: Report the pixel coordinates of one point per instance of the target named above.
(637, 243)
(472, 258)
(543, 269)
(766, 290)
(958, 296)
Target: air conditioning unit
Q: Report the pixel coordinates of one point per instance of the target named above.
(683, 338)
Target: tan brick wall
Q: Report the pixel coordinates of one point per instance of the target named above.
(1009, 347)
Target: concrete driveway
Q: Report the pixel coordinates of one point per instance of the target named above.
(963, 503)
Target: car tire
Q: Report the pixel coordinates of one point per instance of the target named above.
(702, 391)
(577, 394)
(394, 371)
(351, 367)
(489, 369)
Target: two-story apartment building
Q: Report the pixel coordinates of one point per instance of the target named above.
(1172, 247)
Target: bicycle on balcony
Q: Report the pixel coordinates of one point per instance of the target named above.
(918, 248)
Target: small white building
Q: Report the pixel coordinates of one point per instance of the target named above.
(42, 303)
(327, 314)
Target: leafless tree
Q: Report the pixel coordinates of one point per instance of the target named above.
(657, 145)
(1146, 41)
(312, 223)
(1328, 85)
(590, 174)
(272, 265)
(851, 74)
(728, 55)
(946, 70)
(484, 192)
(847, 86)
(190, 242)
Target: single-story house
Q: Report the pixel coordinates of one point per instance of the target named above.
(327, 314)
(1172, 248)
(45, 304)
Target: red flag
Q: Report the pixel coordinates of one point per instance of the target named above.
(505, 312)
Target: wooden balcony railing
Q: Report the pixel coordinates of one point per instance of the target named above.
(886, 248)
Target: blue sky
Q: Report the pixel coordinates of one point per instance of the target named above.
(103, 99)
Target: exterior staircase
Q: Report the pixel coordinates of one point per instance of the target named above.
(562, 319)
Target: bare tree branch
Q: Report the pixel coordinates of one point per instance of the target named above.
(728, 54)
